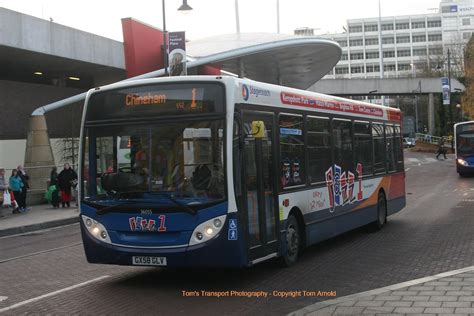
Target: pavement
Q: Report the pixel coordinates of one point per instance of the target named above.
(448, 293)
(38, 217)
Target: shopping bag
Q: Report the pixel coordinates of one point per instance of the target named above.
(7, 201)
(49, 193)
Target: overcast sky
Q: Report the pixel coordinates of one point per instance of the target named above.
(214, 17)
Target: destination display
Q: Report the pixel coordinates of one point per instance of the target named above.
(308, 101)
(156, 100)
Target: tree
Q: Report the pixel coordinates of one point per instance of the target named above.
(69, 150)
(467, 100)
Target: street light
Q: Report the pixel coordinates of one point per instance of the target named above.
(370, 92)
(183, 8)
(459, 107)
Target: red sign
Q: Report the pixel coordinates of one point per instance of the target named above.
(332, 105)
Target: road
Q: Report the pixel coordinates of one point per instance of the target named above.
(46, 272)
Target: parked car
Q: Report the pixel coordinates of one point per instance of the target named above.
(409, 142)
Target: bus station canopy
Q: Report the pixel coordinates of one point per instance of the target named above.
(292, 61)
(287, 60)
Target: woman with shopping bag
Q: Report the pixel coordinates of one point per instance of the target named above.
(66, 179)
(16, 185)
(3, 189)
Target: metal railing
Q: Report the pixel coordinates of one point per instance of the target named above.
(427, 138)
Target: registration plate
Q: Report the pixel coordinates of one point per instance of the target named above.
(149, 261)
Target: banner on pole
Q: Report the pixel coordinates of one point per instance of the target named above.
(177, 54)
(446, 90)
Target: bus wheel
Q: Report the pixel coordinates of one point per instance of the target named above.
(293, 241)
(381, 212)
(462, 175)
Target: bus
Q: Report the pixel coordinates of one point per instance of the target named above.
(230, 172)
(464, 147)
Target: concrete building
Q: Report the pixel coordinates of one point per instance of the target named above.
(410, 44)
(42, 62)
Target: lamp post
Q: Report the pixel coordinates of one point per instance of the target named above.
(370, 92)
(459, 107)
(183, 8)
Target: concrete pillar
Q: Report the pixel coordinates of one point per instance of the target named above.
(431, 114)
(39, 158)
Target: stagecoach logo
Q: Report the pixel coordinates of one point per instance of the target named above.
(147, 225)
(247, 91)
(341, 186)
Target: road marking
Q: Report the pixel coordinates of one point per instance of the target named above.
(413, 160)
(2, 298)
(317, 306)
(39, 252)
(406, 169)
(431, 159)
(35, 299)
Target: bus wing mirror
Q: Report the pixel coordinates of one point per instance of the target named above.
(258, 129)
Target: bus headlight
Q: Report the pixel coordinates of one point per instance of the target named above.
(462, 162)
(207, 230)
(96, 229)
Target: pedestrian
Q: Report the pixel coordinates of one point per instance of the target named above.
(441, 149)
(16, 185)
(53, 177)
(24, 177)
(53, 189)
(3, 187)
(66, 178)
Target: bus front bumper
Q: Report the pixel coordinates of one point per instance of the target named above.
(464, 167)
(217, 252)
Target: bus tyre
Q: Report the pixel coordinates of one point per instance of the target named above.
(381, 212)
(293, 242)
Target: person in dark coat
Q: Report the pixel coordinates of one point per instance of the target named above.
(53, 180)
(24, 178)
(441, 149)
(65, 180)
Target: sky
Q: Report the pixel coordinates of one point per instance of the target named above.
(215, 17)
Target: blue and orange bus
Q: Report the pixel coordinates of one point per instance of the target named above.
(230, 172)
(464, 147)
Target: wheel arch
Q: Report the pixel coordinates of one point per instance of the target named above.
(296, 212)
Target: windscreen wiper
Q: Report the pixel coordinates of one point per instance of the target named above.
(182, 205)
(103, 209)
(107, 209)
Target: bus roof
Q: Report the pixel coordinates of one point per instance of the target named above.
(462, 123)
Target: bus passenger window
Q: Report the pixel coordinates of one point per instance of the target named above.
(389, 134)
(319, 148)
(342, 140)
(363, 147)
(379, 148)
(292, 151)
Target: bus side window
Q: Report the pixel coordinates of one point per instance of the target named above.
(292, 151)
(379, 148)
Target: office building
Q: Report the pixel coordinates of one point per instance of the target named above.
(410, 44)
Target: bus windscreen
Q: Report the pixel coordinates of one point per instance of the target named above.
(156, 100)
(465, 139)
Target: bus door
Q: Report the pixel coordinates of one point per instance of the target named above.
(259, 191)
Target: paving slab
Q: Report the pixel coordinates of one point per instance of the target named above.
(411, 297)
